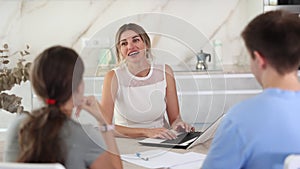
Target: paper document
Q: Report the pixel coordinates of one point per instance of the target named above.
(165, 159)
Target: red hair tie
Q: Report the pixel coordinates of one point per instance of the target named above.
(50, 101)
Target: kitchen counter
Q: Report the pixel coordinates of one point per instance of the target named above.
(225, 69)
(180, 70)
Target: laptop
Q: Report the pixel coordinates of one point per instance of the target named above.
(185, 140)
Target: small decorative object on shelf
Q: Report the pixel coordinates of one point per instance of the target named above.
(10, 77)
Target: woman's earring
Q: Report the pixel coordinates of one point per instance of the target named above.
(147, 53)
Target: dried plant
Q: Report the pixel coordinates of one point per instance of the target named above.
(11, 103)
(10, 77)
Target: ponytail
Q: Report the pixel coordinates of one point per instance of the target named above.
(39, 137)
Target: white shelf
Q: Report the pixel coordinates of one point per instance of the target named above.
(290, 8)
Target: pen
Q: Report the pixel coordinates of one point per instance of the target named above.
(140, 156)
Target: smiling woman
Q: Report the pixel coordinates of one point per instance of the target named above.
(139, 93)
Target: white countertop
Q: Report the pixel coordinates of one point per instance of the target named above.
(225, 69)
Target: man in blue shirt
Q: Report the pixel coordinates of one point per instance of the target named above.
(260, 132)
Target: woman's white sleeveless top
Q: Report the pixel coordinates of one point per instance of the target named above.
(140, 101)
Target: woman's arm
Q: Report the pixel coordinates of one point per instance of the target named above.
(171, 96)
(123, 131)
(109, 91)
(110, 158)
(172, 103)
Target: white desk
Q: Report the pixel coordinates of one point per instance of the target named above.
(131, 146)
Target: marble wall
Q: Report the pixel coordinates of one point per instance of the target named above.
(178, 28)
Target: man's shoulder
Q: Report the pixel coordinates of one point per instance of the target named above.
(251, 101)
(247, 106)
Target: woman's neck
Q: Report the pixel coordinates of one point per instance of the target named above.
(141, 69)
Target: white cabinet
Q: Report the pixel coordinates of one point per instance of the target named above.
(203, 98)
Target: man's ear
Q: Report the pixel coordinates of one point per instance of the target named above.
(260, 59)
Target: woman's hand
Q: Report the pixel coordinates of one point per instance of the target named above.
(179, 125)
(162, 133)
(91, 105)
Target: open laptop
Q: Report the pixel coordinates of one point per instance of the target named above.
(185, 140)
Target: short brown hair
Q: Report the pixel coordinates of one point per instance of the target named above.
(137, 29)
(276, 35)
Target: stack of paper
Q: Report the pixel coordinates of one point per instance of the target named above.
(165, 159)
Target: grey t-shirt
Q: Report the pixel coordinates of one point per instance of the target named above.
(84, 143)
